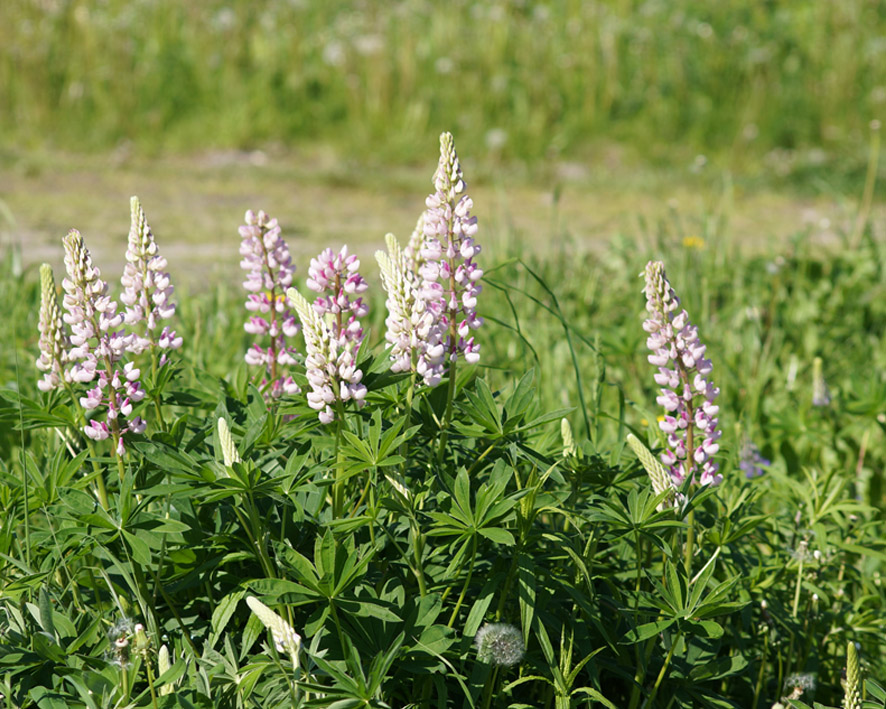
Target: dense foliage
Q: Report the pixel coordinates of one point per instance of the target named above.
(500, 561)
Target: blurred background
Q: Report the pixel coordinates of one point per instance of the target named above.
(575, 120)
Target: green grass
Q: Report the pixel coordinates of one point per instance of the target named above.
(784, 89)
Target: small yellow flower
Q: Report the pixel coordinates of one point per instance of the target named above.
(694, 242)
(644, 422)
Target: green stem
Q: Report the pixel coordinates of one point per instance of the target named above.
(797, 589)
(151, 678)
(464, 588)
(337, 491)
(664, 669)
(690, 542)
(155, 395)
(417, 548)
(447, 417)
(759, 686)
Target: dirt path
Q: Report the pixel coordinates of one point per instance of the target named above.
(195, 205)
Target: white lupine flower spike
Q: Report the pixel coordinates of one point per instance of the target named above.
(286, 640)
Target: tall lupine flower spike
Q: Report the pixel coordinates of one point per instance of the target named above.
(267, 259)
(412, 329)
(147, 290)
(285, 638)
(450, 276)
(852, 696)
(658, 476)
(330, 362)
(98, 346)
(687, 394)
(53, 339)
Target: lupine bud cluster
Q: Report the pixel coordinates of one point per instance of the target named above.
(270, 269)
(332, 331)
(450, 278)
(852, 697)
(53, 339)
(97, 345)
(285, 638)
(412, 329)
(658, 476)
(820, 394)
(147, 289)
(687, 394)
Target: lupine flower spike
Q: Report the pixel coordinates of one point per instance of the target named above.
(450, 277)
(97, 347)
(147, 290)
(820, 395)
(852, 696)
(229, 448)
(570, 449)
(332, 331)
(412, 328)
(687, 395)
(285, 638)
(658, 476)
(266, 257)
(53, 339)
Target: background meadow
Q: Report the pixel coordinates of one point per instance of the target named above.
(735, 144)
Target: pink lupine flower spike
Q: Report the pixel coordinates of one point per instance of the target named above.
(687, 395)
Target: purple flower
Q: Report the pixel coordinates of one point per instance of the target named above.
(450, 278)
(270, 269)
(332, 331)
(413, 331)
(752, 461)
(97, 347)
(687, 395)
(147, 289)
(53, 338)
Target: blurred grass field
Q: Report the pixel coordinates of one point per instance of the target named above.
(780, 92)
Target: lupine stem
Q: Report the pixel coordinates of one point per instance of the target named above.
(464, 588)
(663, 671)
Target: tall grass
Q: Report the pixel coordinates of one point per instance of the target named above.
(526, 80)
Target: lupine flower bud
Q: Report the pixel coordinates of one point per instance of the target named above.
(820, 395)
(163, 665)
(285, 638)
(412, 329)
(53, 339)
(450, 278)
(332, 331)
(499, 644)
(229, 449)
(98, 346)
(266, 257)
(690, 420)
(147, 289)
(852, 697)
(569, 447)
(658, 476)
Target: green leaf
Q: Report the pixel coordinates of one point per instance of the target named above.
(222, 613)
(647, 630)
(498, 535)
